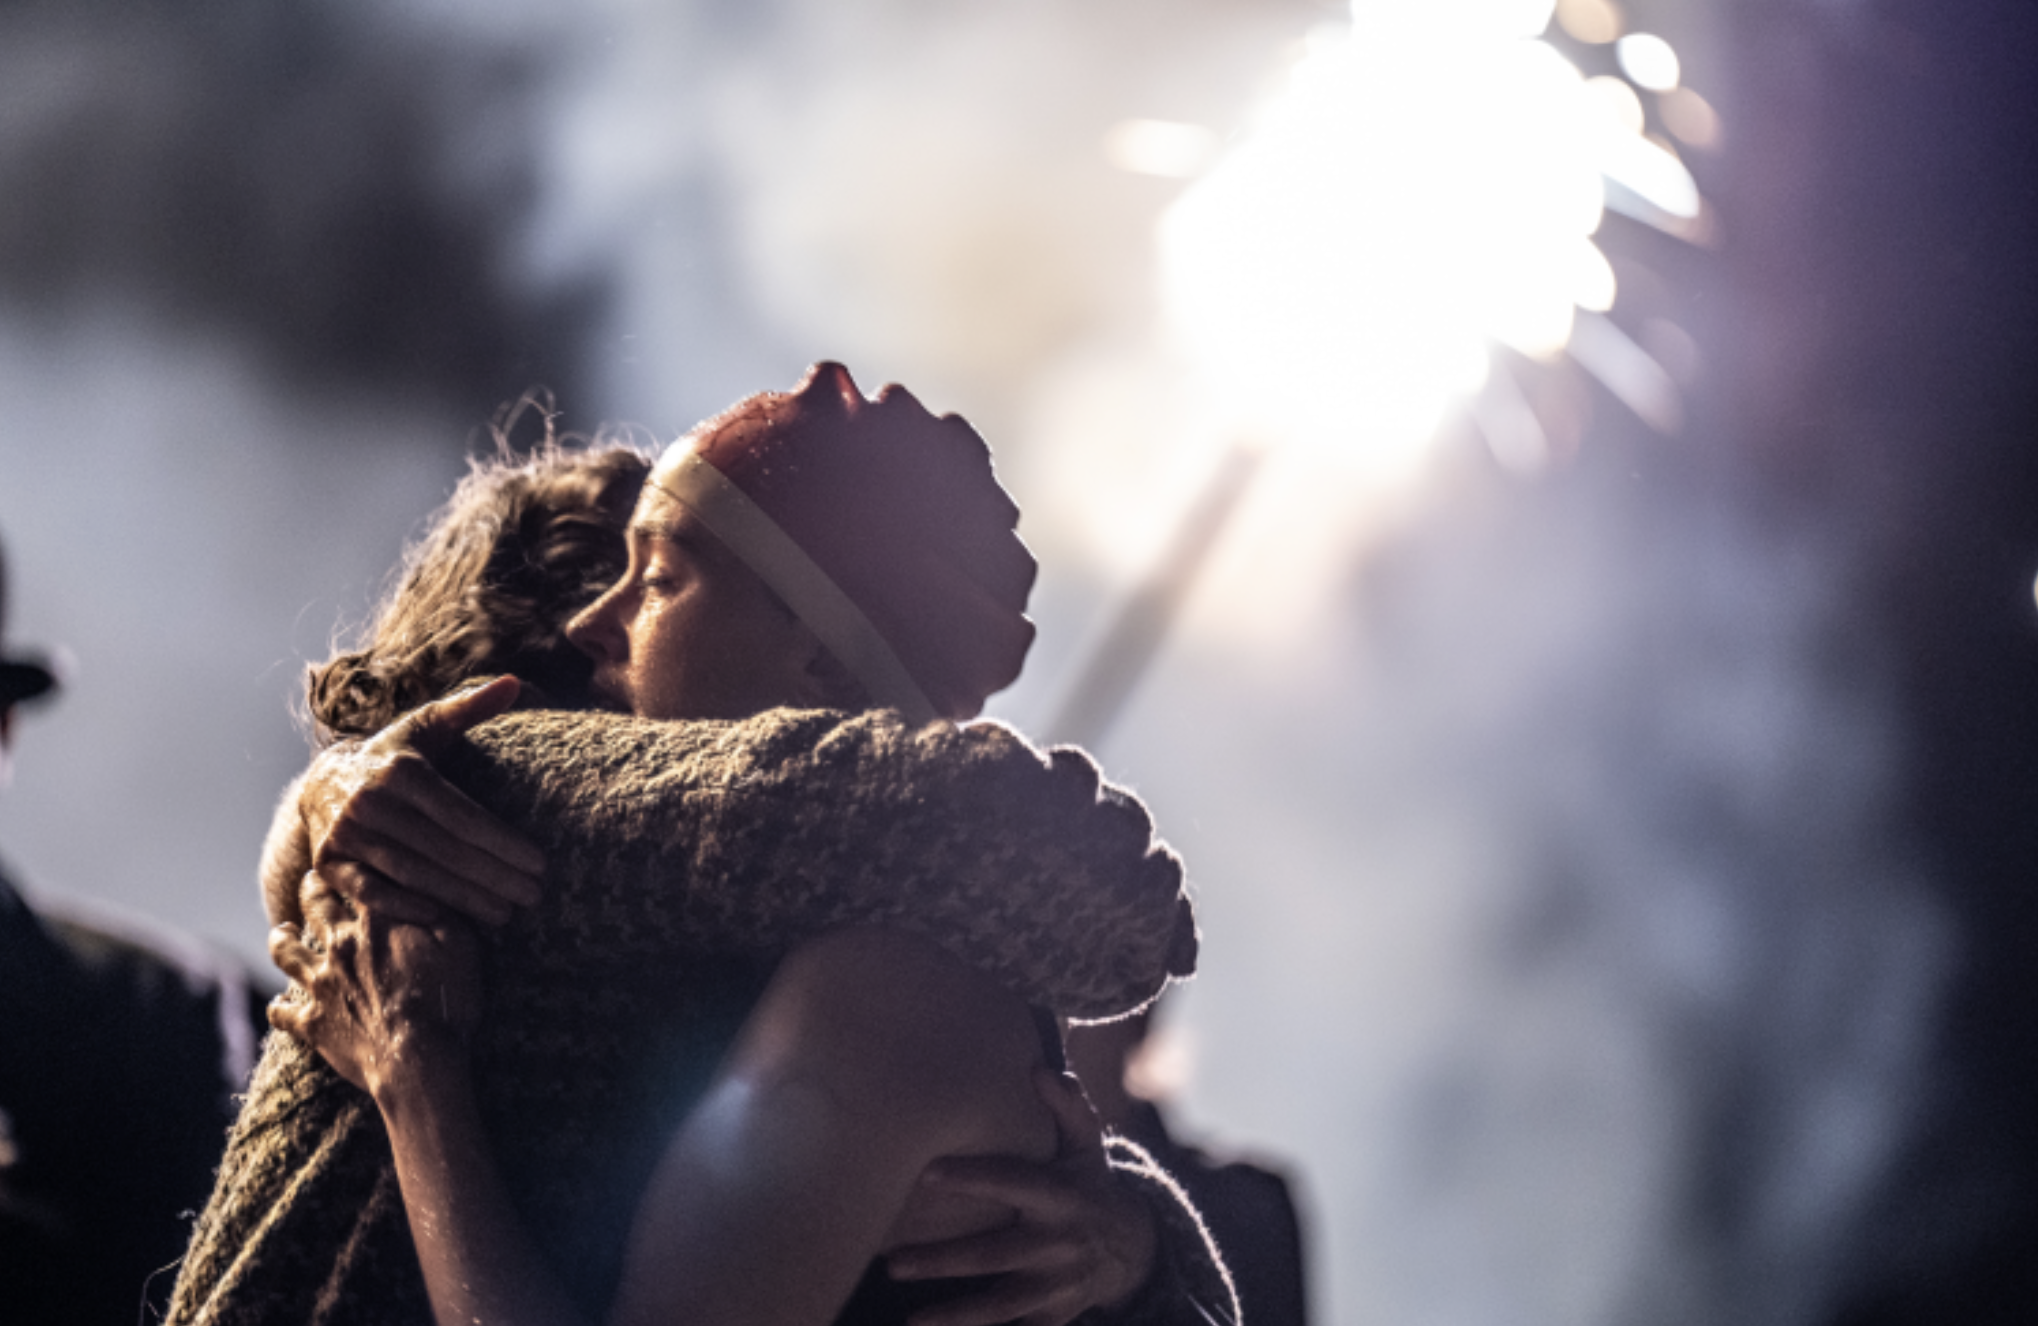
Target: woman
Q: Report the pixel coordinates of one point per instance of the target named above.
(490, 590)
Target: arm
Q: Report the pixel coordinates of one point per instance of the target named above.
(751, 836)
(479, 1261)
(1084, 1237)
(871, 1054)
(391, 1006)
(1081, 905)
(381, 802)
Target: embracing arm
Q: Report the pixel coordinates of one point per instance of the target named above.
(479, 1261)
(391, 1007)
(871, 1054)
(855, 884)
(380, 802)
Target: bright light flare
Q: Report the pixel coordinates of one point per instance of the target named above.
(1165, 148)
(1616, 98)
(1424, 187)
(1649, 60)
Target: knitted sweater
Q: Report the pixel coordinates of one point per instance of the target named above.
(684, 860)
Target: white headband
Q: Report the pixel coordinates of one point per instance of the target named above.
(762, 545)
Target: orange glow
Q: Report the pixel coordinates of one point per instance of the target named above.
(1595, 22)
(1691, 119)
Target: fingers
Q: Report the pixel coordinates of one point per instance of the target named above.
(1038, 1191)
(291, 955)
(287, 1011)
(288, 1016)
(1018, 1247)
(433, 725)
(402, 784)
(320, 904)
(383, 804)
(413, 887)
(292, 1011)
(327, 891)
(423, 834)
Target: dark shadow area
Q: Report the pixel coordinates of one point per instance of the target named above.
(1881, 203)
(341, 191)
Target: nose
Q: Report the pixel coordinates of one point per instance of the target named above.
(597, 630)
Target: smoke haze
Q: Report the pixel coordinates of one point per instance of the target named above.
(1565, 929)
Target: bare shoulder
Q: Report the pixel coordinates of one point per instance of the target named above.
(900, 1027)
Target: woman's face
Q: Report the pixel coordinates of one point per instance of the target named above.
(689, 631)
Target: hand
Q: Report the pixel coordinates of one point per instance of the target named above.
(1081, 1240)
(383, 998)
(426, 844)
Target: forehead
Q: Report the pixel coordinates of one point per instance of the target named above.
(663, 520)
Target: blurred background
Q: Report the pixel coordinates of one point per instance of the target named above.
(1540, 499)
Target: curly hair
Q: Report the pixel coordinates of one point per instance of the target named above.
(523, 544)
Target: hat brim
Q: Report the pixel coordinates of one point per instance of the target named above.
(22, 680)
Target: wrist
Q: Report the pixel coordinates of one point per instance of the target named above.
(422, 1071)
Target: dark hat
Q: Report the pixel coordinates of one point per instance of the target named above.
(904, 552)
(22, 677)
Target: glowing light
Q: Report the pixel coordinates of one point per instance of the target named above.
(1594, 22)
(1160, 147)
(1650, 173)
(1426, 186)
(1691, 118)
(1617, 98)
(1649, 60)
(1592, 282)
(1650, 183)
(1628, 371)
(1510, 425)
(1421, 189)
(1477, 18)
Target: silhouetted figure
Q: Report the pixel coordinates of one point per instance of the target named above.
(119, 1051)
(1247, 1207)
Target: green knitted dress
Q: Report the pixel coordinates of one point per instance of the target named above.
(684, 859)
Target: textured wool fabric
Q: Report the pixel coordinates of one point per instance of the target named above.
(685, 858)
